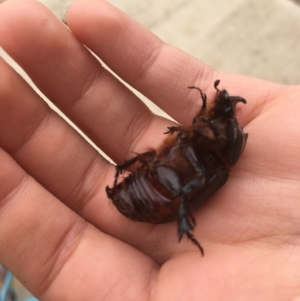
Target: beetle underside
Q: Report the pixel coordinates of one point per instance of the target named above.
(190, 165)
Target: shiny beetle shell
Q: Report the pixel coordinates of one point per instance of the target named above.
(190, 165)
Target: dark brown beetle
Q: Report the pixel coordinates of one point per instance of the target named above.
(190, 165)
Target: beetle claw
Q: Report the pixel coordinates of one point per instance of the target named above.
(173, 129)
(195, 241)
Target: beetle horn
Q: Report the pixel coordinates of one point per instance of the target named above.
(236, 99)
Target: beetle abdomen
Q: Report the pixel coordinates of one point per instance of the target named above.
(138, 199)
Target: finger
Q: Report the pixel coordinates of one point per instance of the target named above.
(74, 80)
(158, 70)
(54, 252)
(47, 147)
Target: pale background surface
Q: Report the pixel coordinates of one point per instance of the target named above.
(250, 37)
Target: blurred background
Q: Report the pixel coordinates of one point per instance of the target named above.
(250, 37)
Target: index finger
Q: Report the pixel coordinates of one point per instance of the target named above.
(158, 70)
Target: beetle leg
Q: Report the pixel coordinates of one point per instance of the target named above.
(203, 95)
(146, 157)
(125, 164)
(193, 221)
(191, 156)
(143, 158)
(184, 225)
(173, 129)
(122, 166)
(194, 241)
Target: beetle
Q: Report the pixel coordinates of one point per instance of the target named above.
(189, 166)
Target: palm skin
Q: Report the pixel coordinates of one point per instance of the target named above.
(62, 237)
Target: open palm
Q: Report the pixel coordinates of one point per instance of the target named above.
(62, 237)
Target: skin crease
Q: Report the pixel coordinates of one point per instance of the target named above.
(62, 237)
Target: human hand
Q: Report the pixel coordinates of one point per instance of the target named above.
(62, 237)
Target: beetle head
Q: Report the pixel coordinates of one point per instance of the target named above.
(225, 105)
